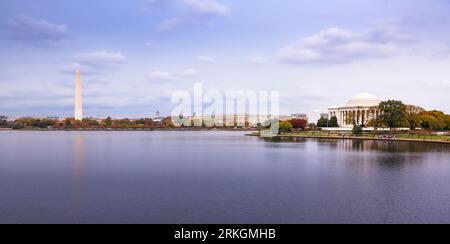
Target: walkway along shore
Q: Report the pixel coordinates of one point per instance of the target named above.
(287, 136)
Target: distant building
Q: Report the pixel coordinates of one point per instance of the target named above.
(360, 109)
(158, 118)
(11, 119)
(300, 116)
(283, 117)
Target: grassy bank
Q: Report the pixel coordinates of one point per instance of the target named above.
(132, 129)
(367, 136)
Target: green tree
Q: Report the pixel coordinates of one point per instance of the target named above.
(323, 122)
(107, 122)
(285, 127)
(140, 122)
(333, 122)
(87, 122)
(357, 130)
(392, 113)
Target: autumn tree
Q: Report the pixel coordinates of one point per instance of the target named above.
(413, 116)
(350, 118)
(285, 127)
(167, 123)
(447, 122)
(148, 122)
(433, 120)
(299, 123)
(123, 123)
(68, 122)
(372, 118)
(376, 122)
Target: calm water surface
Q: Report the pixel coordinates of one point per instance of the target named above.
(218, 177)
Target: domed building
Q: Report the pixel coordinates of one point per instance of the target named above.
(360, 109)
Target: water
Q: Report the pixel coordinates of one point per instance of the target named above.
(218, 177)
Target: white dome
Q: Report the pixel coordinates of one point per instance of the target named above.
(363, 100)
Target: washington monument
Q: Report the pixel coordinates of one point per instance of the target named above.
(78, 97)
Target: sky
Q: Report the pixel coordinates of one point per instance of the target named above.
(134, 54)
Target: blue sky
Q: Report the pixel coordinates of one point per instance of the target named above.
(134, 54)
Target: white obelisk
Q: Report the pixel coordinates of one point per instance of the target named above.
(78, 97)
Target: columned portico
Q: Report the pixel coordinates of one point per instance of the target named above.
(358, 110)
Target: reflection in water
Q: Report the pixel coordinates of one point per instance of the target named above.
(78, 154)
(370, 145)
(205, 177)
(79, 164)
(386, 154)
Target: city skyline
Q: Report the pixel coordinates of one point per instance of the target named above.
(134, 55)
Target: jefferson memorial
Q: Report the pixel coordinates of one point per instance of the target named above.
(360, 109)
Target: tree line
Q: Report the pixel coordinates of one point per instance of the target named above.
(86, 123)
(390, 114)
(396, 114)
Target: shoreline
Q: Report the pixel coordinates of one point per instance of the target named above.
(282, 137)
(130, 129)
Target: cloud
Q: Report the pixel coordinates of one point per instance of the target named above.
(169, 24)
(101, 58)
(335, 45)
(207, 8)
(166, 75)
(36, 31)
(94, 63)
(85, 69)
(160, 75)
(391, 31)
(205, 59)
(189, 12)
